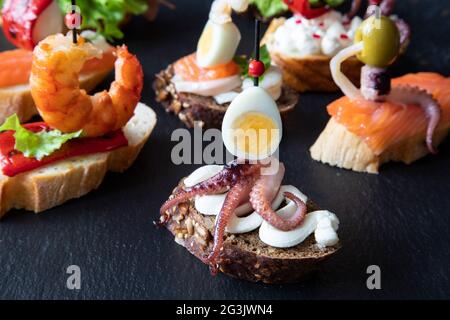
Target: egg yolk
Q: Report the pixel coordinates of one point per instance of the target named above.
(205, 41)
(254, 133)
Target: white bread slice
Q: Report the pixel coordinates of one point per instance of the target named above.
(17, 99)
(54, 184)
(339, 147)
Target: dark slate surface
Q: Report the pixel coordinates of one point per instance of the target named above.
(398, 220)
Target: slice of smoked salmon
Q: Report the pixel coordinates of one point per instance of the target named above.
(188, 69)
(381, 125)
(15, 66)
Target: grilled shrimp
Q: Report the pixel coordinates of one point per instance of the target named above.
(60, 101)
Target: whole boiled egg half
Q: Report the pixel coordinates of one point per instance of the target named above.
(251, 127)
(217, 44)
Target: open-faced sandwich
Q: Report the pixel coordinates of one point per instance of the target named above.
(303, 45)
(200, 86)
(44, 164)
(239, 219)
(25, 23)
(399, 120)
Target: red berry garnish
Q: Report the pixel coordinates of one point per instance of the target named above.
(73, 20)
(316, 36)
(344, 36)
(256, 68)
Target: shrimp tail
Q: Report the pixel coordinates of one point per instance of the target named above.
(125, 91)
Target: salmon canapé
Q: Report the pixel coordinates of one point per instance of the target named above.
(381, 125)
(188, 69)
(15, 66)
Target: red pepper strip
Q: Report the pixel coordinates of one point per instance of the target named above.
(304, 8)
(19, 19)
(14, 162)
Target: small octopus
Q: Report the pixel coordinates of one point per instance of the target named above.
(244, 182)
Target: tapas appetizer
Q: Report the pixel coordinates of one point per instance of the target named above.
(303, 45)
(199, 87)
(25, 26)
(399, 120)
(239, 219)
(44, 164)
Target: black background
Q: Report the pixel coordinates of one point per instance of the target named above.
(399, 219)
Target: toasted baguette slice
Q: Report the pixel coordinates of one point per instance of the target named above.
(54, 184)
(17, 99)
(245, 256)
(191, 107)
(310, 73)
(339, 147)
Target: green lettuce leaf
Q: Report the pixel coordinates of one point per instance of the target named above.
(105, 16)
(242, 61)
(334, 3)
(36, 145)
(322, 3)
(269, 8)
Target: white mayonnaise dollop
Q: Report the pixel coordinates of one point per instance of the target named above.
(271, 81)
(323, 224)
(325, 35)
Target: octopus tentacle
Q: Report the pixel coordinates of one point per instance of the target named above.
(225, 178)
(261, 196)
(263, 207)
(200, 189)
(375, 83)
(413, 95)
(300, 213)
(237, 193)
(356, 4)
(405, 33)
(386, 7)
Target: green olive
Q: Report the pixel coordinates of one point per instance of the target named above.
(381, 40)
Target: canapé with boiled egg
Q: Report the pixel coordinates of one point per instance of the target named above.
(239, 218)
(200, 86)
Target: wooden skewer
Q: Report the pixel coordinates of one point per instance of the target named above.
(74, 30)
(257, 36)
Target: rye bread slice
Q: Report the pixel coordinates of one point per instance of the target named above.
(191, 107)
(245, 256)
